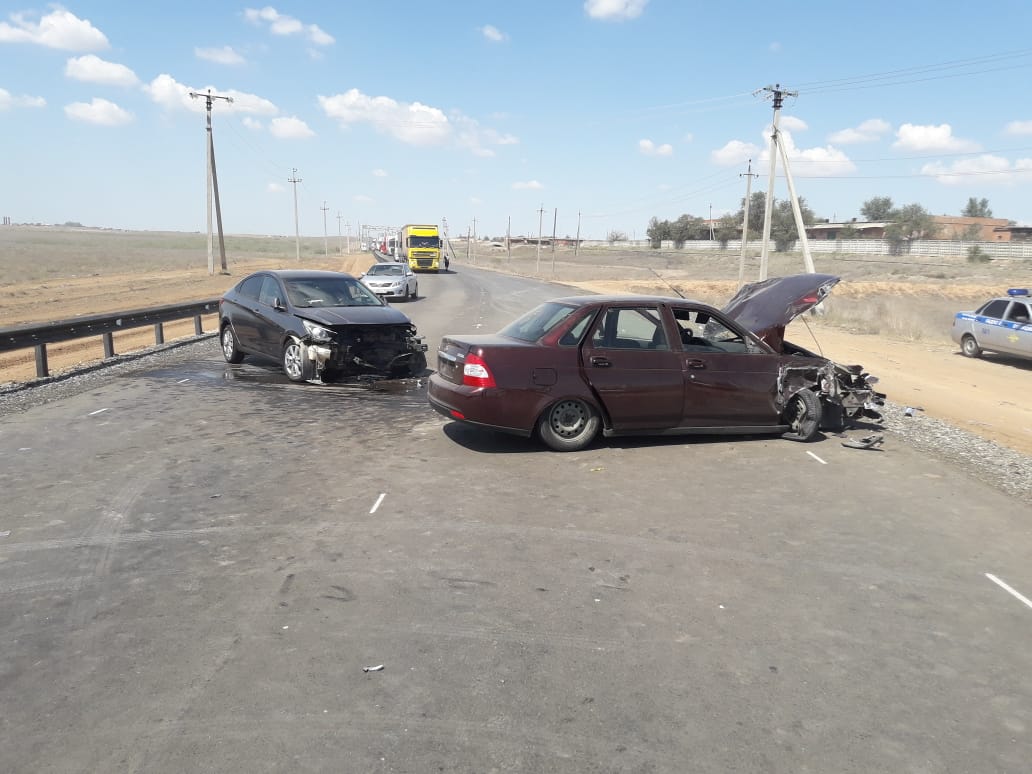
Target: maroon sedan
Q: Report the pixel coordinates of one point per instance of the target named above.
(637, 365)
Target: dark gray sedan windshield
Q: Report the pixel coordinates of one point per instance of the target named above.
(537, 322)
(330, 291)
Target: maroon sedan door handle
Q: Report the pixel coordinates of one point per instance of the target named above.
(695, 363)
(600, 362)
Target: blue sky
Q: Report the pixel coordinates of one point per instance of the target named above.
(395, 112)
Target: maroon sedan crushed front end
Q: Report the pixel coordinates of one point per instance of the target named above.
(636, 365)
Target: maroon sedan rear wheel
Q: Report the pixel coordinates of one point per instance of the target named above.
(569, 425)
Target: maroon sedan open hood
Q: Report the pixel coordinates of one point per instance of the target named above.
(766, 307)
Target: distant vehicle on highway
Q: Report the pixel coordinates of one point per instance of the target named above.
(320, 325)
(1002, 325)
(629, 365)
(391, 280)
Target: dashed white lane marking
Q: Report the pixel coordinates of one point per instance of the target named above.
(378, 501)
(182, 381)
(98, 411)
(1009, 590)
(817, 458)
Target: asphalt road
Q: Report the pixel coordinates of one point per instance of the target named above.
(197, 562)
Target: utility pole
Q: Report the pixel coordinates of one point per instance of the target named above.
(541, 214)
(555, 219)
(297, 230)
(213, 186)
(468, 232)
(474, 240)
(508, 238)
(347, 227)
(777, 95)
(711, 223)
(576, 245)
(340, 249)
(325, 244)
(745, 225)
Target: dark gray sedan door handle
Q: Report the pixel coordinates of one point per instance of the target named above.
(600, 362)
(696, 363)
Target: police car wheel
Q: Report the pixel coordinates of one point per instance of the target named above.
(970, 347)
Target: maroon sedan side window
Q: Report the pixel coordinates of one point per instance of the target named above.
(630, 328)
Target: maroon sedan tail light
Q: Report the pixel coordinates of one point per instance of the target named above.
(475, 372)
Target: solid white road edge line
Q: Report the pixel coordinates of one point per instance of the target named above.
(817, 458)
(378, 501)
(98, 411)
(1008, 589)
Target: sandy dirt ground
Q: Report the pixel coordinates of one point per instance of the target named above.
(988, 397)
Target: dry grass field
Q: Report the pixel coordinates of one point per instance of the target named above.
(892, 314)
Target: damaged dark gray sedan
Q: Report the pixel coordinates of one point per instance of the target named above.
(319, 325)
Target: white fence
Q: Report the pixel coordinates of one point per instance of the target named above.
(934, 248)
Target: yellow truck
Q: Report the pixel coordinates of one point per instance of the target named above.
(421, 248)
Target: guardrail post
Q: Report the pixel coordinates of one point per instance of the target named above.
(197, 327)
(109, 345)
(42, 369)
(159, 333)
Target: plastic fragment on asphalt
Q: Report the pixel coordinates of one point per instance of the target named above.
(377, 668)
(5, 533)
(868, 442)
(909, 410)
(596, 470)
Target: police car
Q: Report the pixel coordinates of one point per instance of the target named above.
(1002, 325)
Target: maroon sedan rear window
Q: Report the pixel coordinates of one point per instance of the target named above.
(537, 322)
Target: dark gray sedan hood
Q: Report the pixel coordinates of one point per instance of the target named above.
(354, 315)
(766, 307)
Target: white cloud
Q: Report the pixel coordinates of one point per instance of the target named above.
(93, 69)
(617, 10)
(1019, 127)
(774, 48)
(379, 173)
(252, 123)
(281, 24)
(412, 123)
(290, 128)
(99, 111)
(914, 137)
(984, 169)
(493, 34)
(825, 161)
(171, 95)
(274, 188)
(733, 153)
(8, 100)
(226, 55)
(59, 29)
(529, 185)
(792, 124)
(649, 148)
(870, 130)
(362, 199)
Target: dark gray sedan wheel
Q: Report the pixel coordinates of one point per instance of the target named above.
(229, 345)
(569, 425)
(293, 362)
(970, 347)
(803, 416)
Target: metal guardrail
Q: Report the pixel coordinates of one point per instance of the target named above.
(38, 335)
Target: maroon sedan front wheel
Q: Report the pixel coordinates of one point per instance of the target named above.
(569, 425)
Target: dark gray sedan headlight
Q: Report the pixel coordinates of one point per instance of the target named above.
(317, 332)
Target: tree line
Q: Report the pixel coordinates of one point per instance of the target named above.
(904, 224)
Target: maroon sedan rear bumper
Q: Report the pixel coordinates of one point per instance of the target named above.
(478, 406)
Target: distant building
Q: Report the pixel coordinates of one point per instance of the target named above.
(951, 228)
